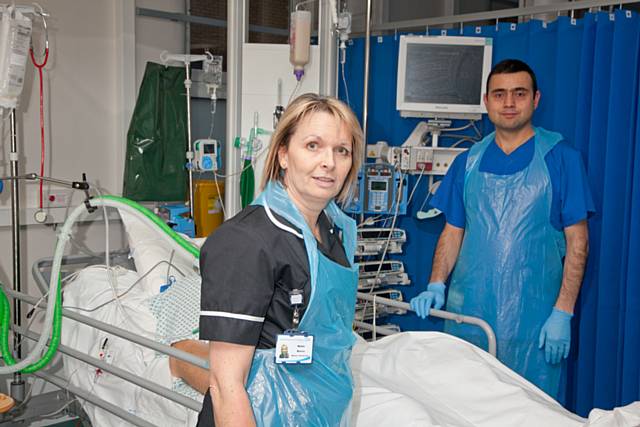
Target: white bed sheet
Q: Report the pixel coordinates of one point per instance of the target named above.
(91, 288)
(408, 379)
(434, 379)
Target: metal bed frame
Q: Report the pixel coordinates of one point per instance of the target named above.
(39, 273)
(458, 318)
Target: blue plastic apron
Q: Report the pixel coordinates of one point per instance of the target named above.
(509, 270)
(318, 394)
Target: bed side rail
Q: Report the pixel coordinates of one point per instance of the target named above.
(39, 267)
(459, 318)
(125, 375)
(92, 398)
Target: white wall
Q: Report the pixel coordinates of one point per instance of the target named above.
(262, 66)
(98, 49)
(85, 122)
(86, 110)
(82, 98)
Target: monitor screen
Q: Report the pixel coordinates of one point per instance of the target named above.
(378, 186)
(442, 76)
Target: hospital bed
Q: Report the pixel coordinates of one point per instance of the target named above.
(115, 355)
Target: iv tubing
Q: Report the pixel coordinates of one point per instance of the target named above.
(53, 315)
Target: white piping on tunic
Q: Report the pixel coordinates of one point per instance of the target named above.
(246, 316)
(279, 224)
(232, 316)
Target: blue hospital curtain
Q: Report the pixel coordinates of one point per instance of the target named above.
(588, 72)
(609, 316)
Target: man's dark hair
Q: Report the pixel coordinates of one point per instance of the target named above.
(509, 66)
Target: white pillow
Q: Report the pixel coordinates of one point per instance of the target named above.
(148, 248)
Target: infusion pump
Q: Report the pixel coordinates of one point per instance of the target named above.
(207, 152)
(375, 241)
(380, 189)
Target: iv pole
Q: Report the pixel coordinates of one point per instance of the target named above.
(165, 57)
(17, 385)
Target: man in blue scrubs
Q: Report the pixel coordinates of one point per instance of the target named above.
(516, 206)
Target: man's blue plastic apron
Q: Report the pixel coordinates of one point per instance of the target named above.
(318, 394)
(509, 270)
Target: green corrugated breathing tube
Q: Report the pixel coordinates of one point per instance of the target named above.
(53, 319)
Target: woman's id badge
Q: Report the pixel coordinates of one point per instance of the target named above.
(294, 347)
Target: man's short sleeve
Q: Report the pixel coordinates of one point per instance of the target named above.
(450, 195)
(237, 285)
(572, 201)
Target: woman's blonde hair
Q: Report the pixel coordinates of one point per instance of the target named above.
(301, 108)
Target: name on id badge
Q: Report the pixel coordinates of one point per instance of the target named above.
(294, 348)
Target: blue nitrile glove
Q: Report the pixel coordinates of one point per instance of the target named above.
(432, 297)
(555, 336)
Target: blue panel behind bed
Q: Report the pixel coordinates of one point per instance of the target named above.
(588, 74)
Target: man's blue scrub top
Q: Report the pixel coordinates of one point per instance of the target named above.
(571, 198)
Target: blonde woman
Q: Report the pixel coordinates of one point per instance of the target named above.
(282, 272)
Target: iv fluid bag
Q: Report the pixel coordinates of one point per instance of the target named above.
(299, 39)
(212, 71)
(15, 35)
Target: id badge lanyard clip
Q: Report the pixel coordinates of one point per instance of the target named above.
(296, 299)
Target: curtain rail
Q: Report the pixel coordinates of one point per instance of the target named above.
(500, 14)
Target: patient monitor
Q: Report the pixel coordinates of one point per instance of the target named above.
(442, 76)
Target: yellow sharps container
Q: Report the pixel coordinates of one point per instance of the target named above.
(207, 206)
